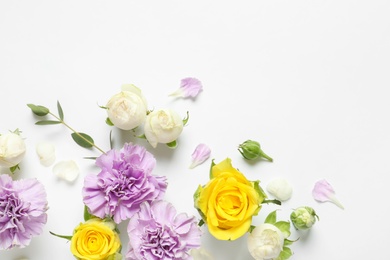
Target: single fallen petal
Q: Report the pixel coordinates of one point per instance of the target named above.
(189, 87)
(66, 170)
(200, 155)
(200, 254)
(323, 192)
(46, 153)
(280, 188)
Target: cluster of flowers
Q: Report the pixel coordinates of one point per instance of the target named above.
(126, 189)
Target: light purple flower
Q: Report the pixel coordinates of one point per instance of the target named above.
(23, 207)
(189, 87)
(156, 232)
(124, 182)
(200, 154)
(323, 191)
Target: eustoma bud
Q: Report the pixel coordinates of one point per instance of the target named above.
(251, 150)
(303, 218)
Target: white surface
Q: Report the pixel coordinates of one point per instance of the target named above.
(308, 79)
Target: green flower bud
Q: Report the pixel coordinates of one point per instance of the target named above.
(251, 150)
(303, 218)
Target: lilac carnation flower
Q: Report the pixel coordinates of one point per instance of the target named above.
(156, 232)
(23, 206)
(124, 182)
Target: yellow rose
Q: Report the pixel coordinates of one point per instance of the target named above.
(95, 240)
(228, 201)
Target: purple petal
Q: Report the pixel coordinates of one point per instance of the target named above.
(189, 87)
(200, 155)
(323, 192)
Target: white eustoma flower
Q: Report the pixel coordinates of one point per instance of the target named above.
(162, 126)
(12, 149)
(127, 109)
(265, 242)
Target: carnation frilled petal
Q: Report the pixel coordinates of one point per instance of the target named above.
(93, 196)
(105, 160)
(164, 212)
(33, 192)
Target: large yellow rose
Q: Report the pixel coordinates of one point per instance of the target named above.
(95, 240)
(228, 201)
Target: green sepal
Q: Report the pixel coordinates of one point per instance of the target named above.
(284, 226)
(251, 228)
(143, 136)
(87, 215)
(48, 122)
(288, 242)
(109, 122)
(201, 223)
(211, 169)
(271, 218)
(60, 111)
(61, 236)
(82, 139)
(39, 110)
(185, 120)
(259, 190)
(285, 254)
(172, 144)
(14, 168)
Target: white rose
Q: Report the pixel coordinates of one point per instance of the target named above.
(163, 126)
(12, 149)
(265, 242)
(127, 109)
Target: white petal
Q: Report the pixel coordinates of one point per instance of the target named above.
(66, 170)
(46, 153)
(280, 188)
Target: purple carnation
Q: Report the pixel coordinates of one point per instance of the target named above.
(124, 182)
(23, 207)
(156, 232)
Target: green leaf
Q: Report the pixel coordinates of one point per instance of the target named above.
(284, 226)
(111, 141)
(172, 144)
(271, 218)
(90, 157)
(82, 139)
(60, 111)
(39, 110)
(211, 169)
(274, 201)
(108, 122)
(48, 122)
(185, 120)
(61, 236)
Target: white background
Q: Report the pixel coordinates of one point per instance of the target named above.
(308, 79)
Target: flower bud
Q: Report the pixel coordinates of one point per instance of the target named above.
(251, 150)
(303, 218)
(12, 149)
(127, 109)
(162, 126)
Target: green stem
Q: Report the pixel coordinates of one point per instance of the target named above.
(74, 131)
(265, 156)
(275, 201)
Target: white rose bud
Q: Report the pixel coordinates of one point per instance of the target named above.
(163, 126)
(265, 242)
(127, 109)
(12, 149)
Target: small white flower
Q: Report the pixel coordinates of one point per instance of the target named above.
(12, 149)
(265, 242)
(127, 109)
(200, 154)
(66, 170)
(280, 188)
(162, 126)
(46, 153)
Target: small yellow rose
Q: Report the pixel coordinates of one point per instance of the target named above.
(95, 240)
(228, 201)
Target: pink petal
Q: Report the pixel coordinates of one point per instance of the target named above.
(323, 192)
(189, 87)
(200, 155)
